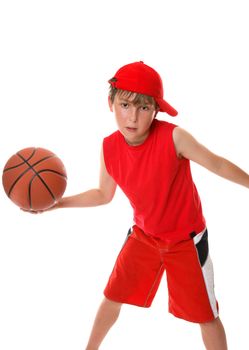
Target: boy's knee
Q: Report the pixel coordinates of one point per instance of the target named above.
(111, 303)
(210, 324)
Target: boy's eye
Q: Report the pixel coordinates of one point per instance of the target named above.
(144, 108)
(124, 105)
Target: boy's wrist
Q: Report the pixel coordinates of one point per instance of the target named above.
(58, 204)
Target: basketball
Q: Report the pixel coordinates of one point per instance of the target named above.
(34, 178)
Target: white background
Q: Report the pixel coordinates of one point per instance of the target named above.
(55, 60)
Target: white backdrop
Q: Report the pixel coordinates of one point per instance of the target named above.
(55, 60)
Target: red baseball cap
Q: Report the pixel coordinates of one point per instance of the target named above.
(140, 78)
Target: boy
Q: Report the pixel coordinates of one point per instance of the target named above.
(149, 160)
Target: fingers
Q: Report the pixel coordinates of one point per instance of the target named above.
(32, 211)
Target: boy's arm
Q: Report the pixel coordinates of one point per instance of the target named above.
(188, 147)
(94, 197)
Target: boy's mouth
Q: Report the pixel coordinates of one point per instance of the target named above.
(131, 129)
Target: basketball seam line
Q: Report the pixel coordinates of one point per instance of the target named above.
(52, 171)
(44, 183)
(16, 166)
(30, 168)
(37, 174)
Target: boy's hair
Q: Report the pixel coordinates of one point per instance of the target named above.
(137, 98)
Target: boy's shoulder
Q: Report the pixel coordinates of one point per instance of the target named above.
(113, 135)
(163, 123)
(111, 141)
(163, 126)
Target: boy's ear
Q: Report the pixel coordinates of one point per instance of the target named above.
(157, 110)
(110, 103)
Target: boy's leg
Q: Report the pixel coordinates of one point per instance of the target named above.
(213, 335)
(107, 314)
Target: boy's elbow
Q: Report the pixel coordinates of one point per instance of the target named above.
(109, 198)
(218, 165)
(105, 201)
(106, 198)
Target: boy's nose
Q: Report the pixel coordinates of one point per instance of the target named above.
(133, 115)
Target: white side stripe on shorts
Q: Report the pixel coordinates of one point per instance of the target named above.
(208, 275)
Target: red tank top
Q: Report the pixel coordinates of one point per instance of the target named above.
(157, 183)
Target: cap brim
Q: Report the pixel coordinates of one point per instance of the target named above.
(166, 107)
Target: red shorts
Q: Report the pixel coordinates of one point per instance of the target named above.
(140, 265)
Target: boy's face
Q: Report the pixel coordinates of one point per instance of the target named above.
(133, 120)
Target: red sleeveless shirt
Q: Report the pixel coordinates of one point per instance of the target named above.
(157, 183)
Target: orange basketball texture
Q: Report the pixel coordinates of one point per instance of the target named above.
(34, 178)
